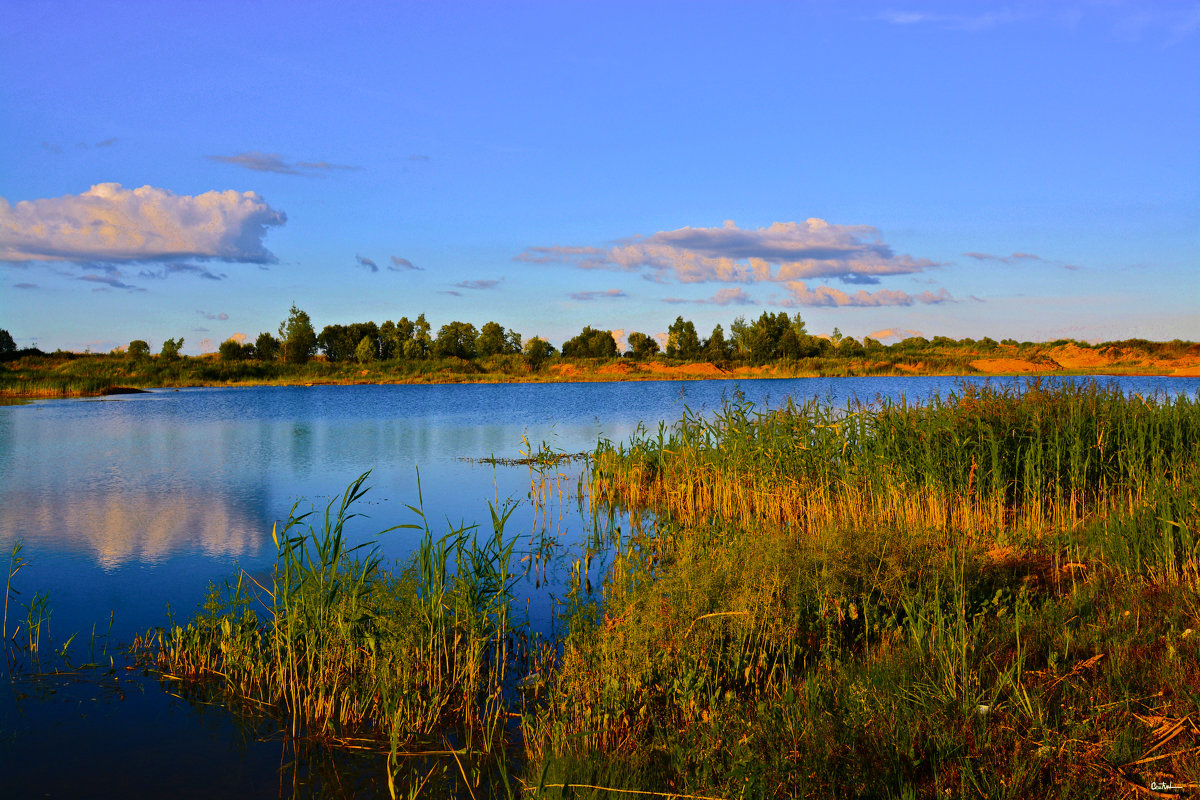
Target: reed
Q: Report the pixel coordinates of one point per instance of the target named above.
(340, 649)
(992, 594)
(983, 460)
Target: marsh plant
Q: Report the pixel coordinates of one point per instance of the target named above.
(992, 594)
(345, 652)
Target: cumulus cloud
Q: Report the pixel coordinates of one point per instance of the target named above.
(367, 263)
(221, 316)
(610, 294)
(801, 295)
(892, 333)
(785, 251)
(400, 264)
(621, 337)
(111, 223)
(272, 162)
(733, 295)
(206, 345)
(240, 338)
(488, 284)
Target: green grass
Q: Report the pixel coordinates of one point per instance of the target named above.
(993, 594)
(989, 595)
(343, 652)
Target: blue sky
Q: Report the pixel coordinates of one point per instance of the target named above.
(1024, 170)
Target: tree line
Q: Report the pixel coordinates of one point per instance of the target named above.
(770, 337)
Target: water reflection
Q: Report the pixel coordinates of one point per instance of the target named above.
(142, 501)
(119, 529)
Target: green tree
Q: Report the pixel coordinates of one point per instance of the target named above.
(537, 350)
(365, 352)
(789, 344)
(491, 340)
(233, 350)
(266, 347)
(357, 330)
(337, 342)
(455, 339)
(389, 344)
(170, 349)
(7, 344)
(716, 349)
(642, 346)
(682, 341)
(849, 347)
(764, 336)
(739, 338)
(138, 349)
(514, 342)
(422, 338)
(297, 338)
(591, 343)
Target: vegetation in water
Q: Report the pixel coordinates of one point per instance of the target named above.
(992, 594)
(345, 653)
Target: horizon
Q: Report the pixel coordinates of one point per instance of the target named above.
(936, 169)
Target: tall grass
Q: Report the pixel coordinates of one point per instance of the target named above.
(343, 651)
(993, 594)
(989, 595)
(985, 459)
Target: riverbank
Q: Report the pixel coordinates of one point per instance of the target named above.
(90, 375)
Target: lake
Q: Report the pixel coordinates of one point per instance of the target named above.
(127, 507)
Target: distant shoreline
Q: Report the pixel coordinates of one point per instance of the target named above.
(87, 375)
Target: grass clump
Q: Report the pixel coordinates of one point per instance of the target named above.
(342, 651)
(989, 595)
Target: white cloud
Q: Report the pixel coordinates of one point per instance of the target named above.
(801, 295)
(892, 333)
(731, 295)
(620, 336)
(111, 223)
(785, 251)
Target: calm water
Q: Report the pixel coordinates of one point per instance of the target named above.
(125, 506)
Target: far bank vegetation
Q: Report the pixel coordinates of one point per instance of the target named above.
(411, 351)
